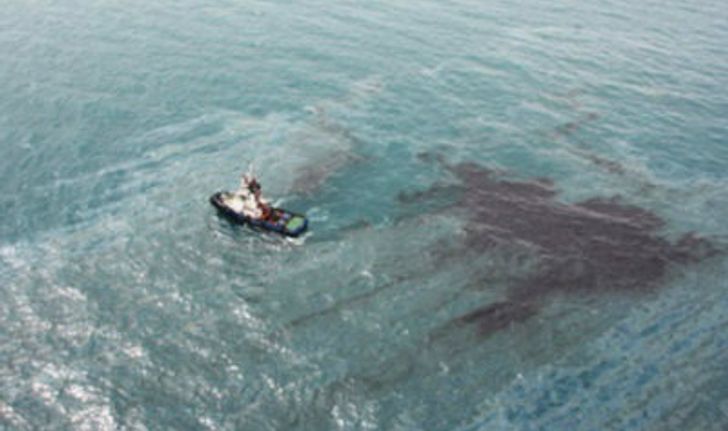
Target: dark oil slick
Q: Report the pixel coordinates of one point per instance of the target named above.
(599, 245)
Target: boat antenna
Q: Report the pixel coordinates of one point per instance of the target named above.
(251, 170)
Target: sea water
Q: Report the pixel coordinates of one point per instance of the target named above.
(126, 302)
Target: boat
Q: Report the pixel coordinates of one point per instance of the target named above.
(280, 221)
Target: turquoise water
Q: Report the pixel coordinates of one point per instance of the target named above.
(127, 303)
